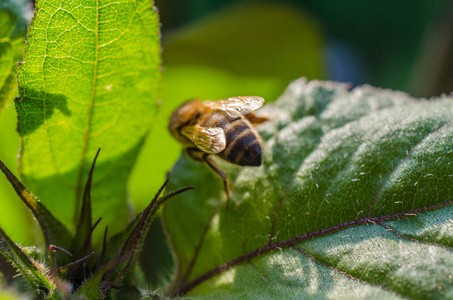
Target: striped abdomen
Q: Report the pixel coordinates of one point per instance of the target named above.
(243, 145)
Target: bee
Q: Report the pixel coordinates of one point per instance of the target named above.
(221, 128)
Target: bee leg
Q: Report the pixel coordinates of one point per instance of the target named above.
(254, 119)
(195, 154)
(221, 173)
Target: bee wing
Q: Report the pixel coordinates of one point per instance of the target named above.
(237, 105)
(210, 140)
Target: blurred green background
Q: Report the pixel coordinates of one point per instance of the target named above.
(218, 49)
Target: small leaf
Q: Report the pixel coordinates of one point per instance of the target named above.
(54, 232)
(353, 198)
(63, 269)
(134, 242)
(27, 267)
(91, 288)
(84, 226)
(113, 245)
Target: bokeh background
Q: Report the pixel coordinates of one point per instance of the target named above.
(217, 49)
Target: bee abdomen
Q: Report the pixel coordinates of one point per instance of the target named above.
(243, 147)
(250, 155)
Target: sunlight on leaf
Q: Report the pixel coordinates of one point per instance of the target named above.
(89, 79)
(353, 199)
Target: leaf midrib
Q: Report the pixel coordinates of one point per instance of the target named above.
(366, 219)
(283, 198)
(345, 274)
(311, 235)
(89, 117)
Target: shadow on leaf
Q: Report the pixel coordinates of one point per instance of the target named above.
(35, 107)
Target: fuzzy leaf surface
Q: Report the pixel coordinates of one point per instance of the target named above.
(89, 80)
(352, 200)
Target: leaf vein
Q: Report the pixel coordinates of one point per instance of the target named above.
(198, 246)
(271, 237)
(345, 274)
(89, 116)
(46, 126)
(290, 242)
(387, 178)
(412, 239)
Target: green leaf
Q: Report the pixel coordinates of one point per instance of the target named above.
(91, 288)
(156, 258)
(90, 79)
(53, 230)
(81, 244)
(31, 270)
(134, 242)
(353, 200)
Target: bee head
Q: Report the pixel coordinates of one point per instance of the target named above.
(185, 114)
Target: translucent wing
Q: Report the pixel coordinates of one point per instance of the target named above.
(208, 140)
(237, 105)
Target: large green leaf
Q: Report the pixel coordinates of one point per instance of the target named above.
(352, 201)
(89, 80)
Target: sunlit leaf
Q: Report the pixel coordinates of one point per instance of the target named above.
(353, 200)
(89, 79)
